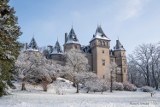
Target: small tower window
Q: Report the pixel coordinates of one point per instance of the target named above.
(102, 51)
(103, 76)
(103, 62)
(104, 43)
(76, 47)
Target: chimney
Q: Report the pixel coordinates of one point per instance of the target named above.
(26, 46)
(66, 38)
(50, 48)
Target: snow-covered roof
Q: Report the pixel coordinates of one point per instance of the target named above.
(86, 49)
(72, 37)
(99, 34)
(57, 49)
(33, 50)
(118, 46)
(33, 44)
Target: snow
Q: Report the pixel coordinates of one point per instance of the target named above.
(99, 36)
(30, 49)
(35, 97)
(71, 41)
(56, 52)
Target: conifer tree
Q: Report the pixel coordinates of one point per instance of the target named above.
(9, 46)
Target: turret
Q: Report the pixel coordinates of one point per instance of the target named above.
(71, 41)
(32, 45)
(121, 61)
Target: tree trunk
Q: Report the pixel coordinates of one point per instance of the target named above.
(23, 86)
(111, 82)
(88, 90)
(77, 84)
(148, 78)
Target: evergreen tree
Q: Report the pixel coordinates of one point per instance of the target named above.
(9, 46)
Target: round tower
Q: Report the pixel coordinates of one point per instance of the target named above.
(71, 41)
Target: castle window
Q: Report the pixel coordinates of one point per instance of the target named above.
(103, 62)
(102, 51)
(103, 76)
(75, 46)
(103, 43)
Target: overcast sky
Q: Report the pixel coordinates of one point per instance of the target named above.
(133, 21)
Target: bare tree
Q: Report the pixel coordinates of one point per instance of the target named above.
(144, 65)
(113, 71)
(76, 64)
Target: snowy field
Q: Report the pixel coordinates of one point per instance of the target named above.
(35, 97)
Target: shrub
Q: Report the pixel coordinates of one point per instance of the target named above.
(117, 86)
(129, 87)
(147, 89)
(96, 85)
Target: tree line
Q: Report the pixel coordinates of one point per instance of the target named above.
(144, 65)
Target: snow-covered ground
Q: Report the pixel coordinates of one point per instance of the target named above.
(35, 97)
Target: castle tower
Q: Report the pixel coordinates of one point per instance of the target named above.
(100, 45)
(32, 45)
(121, 61)
(71, 41)
(56, 54)
(57, 48)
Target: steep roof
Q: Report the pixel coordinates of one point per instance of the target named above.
(99, 34)
(57, 48)
(118, 46)
(32, 45)
(72, 38)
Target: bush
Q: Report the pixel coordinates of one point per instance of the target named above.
(96, 85)
(147, 89)
(129, 87)
(117, 86)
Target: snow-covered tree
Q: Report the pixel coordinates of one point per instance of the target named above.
(129, 87)
(96, 85)
(113, 70)
(76, 65)
(9, 46)
(145, 64)
(118, 86)
(33, 67)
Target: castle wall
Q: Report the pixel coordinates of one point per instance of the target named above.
(121, 61)
(101, 58)
(71, 46)
(89, 57)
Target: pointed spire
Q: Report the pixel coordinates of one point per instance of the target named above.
(57, 48)
(33, 44)
(72, 38)
(99, 34)
(118, 46)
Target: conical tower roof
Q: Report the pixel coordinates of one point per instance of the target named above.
(32, 45)
(118, 46)
(57, 48)
(99, 34)
(72, 37)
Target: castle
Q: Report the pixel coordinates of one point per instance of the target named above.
(98, 53)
